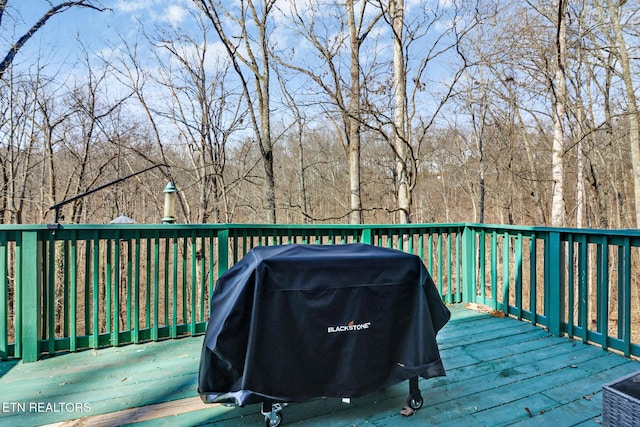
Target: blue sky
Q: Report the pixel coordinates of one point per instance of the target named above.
(59, 39)
(58, 44)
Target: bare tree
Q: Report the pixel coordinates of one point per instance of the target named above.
(407, 125)
(332, 29)
(559, 91)
(358, 32)
(204, 112)
(614, 9)
(299, 132)
(244, 31)
(18, 152)
(405, 165)
(55, 9)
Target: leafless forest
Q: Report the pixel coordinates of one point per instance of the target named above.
(291, 111)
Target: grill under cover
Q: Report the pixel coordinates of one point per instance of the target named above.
(293, 322)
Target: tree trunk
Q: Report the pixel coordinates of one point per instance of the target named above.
(557, 161)
(632, 105)
(355, 215)
(399, 137)
(256, 59)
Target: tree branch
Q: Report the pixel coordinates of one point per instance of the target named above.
(62, 7)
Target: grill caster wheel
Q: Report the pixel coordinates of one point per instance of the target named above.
(273, 421)
(415, 402)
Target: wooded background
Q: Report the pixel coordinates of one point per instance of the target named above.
(291, 111)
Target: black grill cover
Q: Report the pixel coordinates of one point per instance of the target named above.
(293, 322)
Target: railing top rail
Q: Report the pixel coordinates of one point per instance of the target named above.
(632, 235)
(36, 227)
(632, 232)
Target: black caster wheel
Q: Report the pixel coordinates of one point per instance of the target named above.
(273, 421)
(415, 402)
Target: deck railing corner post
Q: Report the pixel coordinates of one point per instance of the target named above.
(223, 251)
(31, 271)
(365, 237)
(555, 277)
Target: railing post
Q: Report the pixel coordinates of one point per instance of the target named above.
(468, 268)
(555, 275)
(31, 268)
(223, 251)
(365, 237)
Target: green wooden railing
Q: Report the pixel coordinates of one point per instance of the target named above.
(77, 287)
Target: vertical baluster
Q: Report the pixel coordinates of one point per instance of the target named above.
(95, 280)
(506, 249)
(583, 292)
(570, 285)
(156, 287)
(494, 270)
(50, 299)
(482, 285)
(115, 336)
(107, 289)
(518, 275)
(194, 282)
(4, 298)
(136, 292)
(449, 270)
(533, 278)
(73, 292)
(127, 324)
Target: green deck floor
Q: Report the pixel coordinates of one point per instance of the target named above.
(499, 372)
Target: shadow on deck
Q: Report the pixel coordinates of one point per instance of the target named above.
(499, 372)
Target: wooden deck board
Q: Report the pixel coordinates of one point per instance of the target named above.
(499, 372)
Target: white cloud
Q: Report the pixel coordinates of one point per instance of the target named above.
(175, 15)
(132, 6)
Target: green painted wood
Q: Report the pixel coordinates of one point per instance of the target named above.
(73, 296)
(95, 282)
(553, 276)
(533, 279)
(366, 236)
(449, 293)
(194, 291)
(625, 298)
(87, 287)
(570, 286)
(468, 260)
(506, 276)
(114, 276)
(49, 305)
(223, 251)
(165, 298)
(31, 296)
(17, 303)
(603, 292)
(117, 282)
(518, 276)
(496, 367)
(4, 298)
(108, 288)
(440, 275)
(458, 297)
(494, 270)
(482, 267)
(66, 269)
(156, 289)
(174, 288)
(583, 306)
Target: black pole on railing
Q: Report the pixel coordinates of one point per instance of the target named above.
(59, 205)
